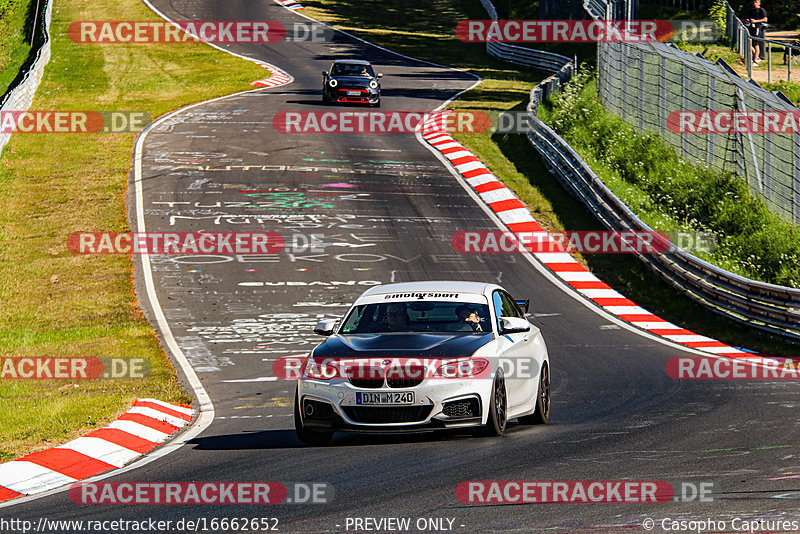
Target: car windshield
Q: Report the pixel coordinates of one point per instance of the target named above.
(418, 316)
(350, 69)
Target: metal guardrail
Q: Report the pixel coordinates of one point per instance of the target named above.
(740, 40)
(791, 53)
(546, 61)
(599, 9)
(774, 309)
(20, 97)
(562, 66)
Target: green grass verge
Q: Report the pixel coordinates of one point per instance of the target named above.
(790, 89)
(510, 156)
(14, 41)
(55, 304)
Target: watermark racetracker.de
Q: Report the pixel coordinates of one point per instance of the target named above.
(77, 368)
(72, 122)
(206, 31)
(587, 31)
(582, 242)
(194, 243)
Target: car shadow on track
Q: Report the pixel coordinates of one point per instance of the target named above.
(287, 439)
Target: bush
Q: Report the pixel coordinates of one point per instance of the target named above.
(790, 89)
(717, 13)
(646, 173)
(783, 13)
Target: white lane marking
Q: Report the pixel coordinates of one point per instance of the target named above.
(140, 430)
(601, 293)
(174, 407)
(517, 215)
(497, 195)
(102, 450)
(482, 179)
(159, 416)
(30, 478)
(655, 325)
(555, 257)
(259, 379)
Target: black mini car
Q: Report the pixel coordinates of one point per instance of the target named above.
(351, 80)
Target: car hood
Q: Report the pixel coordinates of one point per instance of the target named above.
(434, 345)
(358, 81)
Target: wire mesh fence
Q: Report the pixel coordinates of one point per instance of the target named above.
(645, 83)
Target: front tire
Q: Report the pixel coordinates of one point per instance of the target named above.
(542, 413)
(498, 407)
(309, 437)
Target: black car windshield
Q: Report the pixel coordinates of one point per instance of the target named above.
(350, 69)
(418, 316)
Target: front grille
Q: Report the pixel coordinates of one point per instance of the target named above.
(462, 408)
(415, 377)
(388, 414)
(370, 383)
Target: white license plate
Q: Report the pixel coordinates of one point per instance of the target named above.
(383, 397)
(353, 93)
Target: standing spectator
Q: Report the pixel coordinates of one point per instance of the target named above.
(755, 23)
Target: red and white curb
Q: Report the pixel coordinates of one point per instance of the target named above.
(136, 432)
(278, 76)
(290, 4)
(513, 213)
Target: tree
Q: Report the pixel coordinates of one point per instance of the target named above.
(562, 9)
(784, 13)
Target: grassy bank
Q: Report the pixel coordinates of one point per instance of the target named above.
(55, 304)
(670, 194)
(15, 43)
(790, 89)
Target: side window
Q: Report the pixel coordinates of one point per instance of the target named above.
(510, 308)
(497, 302)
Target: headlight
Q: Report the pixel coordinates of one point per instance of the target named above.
(373, 84)
(319, 369)
(332, 82)
(471, 367)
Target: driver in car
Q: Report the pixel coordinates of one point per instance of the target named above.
(397, 316)
(469, 315)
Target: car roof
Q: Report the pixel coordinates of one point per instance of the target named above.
(351, 61)
(477, 288)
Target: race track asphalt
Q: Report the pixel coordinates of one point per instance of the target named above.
(387, 208)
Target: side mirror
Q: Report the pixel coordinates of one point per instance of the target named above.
(524, 304)
(513, 325)
(324, 72)
(325, 327)
(379, 75)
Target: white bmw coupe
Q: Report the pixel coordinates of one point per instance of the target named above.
(424, 356)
